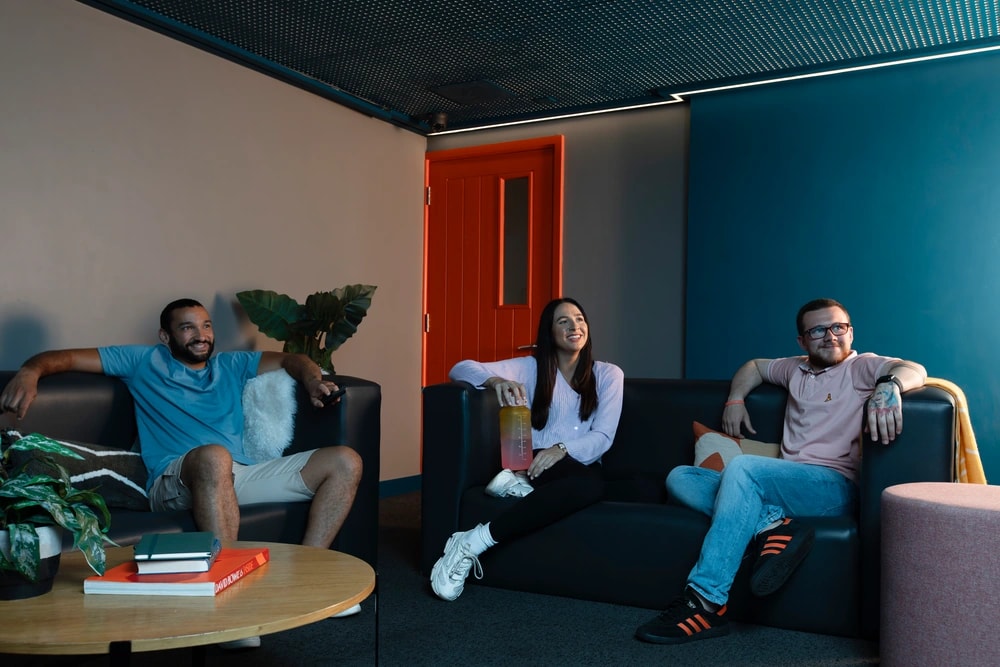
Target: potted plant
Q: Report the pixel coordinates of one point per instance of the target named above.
(315, 328)
(37, 502)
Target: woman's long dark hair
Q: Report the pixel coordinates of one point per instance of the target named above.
(584, 382)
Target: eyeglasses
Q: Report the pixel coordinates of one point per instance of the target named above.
(837, 329)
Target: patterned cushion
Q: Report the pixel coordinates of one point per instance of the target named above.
(117, 474)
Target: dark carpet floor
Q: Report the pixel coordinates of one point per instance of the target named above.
(489, 626)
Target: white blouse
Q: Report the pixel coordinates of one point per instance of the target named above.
(586, 441)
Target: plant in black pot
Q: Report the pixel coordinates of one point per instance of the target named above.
(37, 502)
(315, 328)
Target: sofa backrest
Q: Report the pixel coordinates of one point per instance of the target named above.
(655, 434)
(83, 407)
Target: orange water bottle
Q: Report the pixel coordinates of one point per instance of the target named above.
(515, 437)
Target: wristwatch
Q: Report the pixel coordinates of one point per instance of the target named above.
(562, 447)
(890, 378)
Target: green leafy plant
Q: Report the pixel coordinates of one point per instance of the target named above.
(30, 498)
(315, 328)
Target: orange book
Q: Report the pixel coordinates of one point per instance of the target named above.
(230, 566)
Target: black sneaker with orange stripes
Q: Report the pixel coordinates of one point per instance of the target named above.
(779, 552)
(684, 620)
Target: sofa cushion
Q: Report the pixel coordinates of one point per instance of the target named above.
(117, 474)
(714, 449)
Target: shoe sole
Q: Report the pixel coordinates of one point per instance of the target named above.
(434, 575)
(500, 490)
(704, 634)
(240, 644)
(512, 488)
(769, 579)
(350, 611)
(500, 485)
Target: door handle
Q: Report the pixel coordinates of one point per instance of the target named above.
(527, 347)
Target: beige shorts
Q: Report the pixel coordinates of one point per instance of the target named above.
(277, 480)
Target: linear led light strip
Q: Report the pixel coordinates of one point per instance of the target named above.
(680, 97)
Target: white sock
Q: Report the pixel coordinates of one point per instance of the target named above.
(479, 539)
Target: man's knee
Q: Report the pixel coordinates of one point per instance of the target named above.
(742, 465)
(348, 463)
(745, 470)
(207, 463)
(340, 462)
(674, 477)
(680, 477)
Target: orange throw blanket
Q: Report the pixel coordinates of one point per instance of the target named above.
(968, 465)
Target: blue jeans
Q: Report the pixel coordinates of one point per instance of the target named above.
(751, 493)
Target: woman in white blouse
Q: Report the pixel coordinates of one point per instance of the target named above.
(575, 405)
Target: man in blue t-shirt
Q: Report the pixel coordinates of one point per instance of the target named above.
(188, 407)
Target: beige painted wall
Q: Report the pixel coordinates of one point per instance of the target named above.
(135, 169)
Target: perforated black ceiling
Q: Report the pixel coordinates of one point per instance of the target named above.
(483, 62)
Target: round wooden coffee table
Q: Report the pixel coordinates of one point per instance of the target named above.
(298, 586)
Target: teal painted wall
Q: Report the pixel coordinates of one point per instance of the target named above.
(880, 189)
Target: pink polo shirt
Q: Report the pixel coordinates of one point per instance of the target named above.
(823, 415)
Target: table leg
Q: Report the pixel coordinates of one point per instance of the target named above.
(375, 595)
(120, 654)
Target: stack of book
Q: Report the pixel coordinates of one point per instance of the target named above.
(178, 564)
(170, 553)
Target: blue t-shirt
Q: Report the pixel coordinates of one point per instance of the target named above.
(178, 408)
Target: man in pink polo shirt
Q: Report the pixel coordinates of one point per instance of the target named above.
(755, 497)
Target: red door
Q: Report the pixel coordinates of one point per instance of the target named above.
(493, 250)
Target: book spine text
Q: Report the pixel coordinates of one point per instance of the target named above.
(236, 575)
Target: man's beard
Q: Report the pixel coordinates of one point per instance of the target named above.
(817, 361)
(184, 355)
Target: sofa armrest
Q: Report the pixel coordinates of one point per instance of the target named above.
(461, 449)
(355, 422)
(923, 452)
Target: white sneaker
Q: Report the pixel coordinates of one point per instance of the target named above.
(236, 644)
(452, 569)
(350, 611)
(509, 484)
